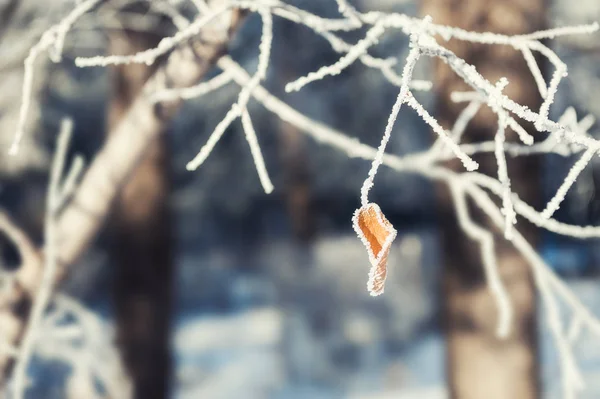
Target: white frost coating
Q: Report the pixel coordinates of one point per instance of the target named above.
(507, 206)
(574, 172)
(458, 129)
(546, 280)
(557, 76)
(348, 11)
(257, 156)
(499, 140)
(488, 257)
(535, 71)
(411, 60)
(421, 85)
(371, 38)
(469, 164)
(41, 300)
(238, 108)
(164, 46)
(214, 138)
(192, 92)
(586, 122)
(529, 213)
(552, 89)
(263, 58)
(525, 137)
(562, 31)
(463, 120)
(76, 336)
(54, 36)
(466, 96)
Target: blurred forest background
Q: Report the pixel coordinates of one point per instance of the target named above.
(220, 291)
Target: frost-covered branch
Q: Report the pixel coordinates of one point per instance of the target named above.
(87, 205)
(239, 108)
(565, 137)
(79, 338)
(51, 41)
(490, 94)
(488, 257)
(43, 294)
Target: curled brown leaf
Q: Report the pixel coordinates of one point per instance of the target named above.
(377, 234)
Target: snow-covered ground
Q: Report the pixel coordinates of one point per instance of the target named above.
(371, 348)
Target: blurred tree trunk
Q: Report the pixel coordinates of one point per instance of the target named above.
(479, 364)
(297, 183)
(294, 158)
(140, 234)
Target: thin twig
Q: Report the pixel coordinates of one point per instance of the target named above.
(42, 297)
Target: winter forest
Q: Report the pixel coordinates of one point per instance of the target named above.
(299, 199)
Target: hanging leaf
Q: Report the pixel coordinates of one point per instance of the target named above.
(377, 234)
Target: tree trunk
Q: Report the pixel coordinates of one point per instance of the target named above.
(140, 232)
(479, 364)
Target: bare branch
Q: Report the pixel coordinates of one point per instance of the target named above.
(79, 222)
(43, 294)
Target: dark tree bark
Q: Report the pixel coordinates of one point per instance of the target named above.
(141, 243)
(297, 184)
(479, 364)
(294, 159)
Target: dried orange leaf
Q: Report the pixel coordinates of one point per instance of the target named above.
(377, 233)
